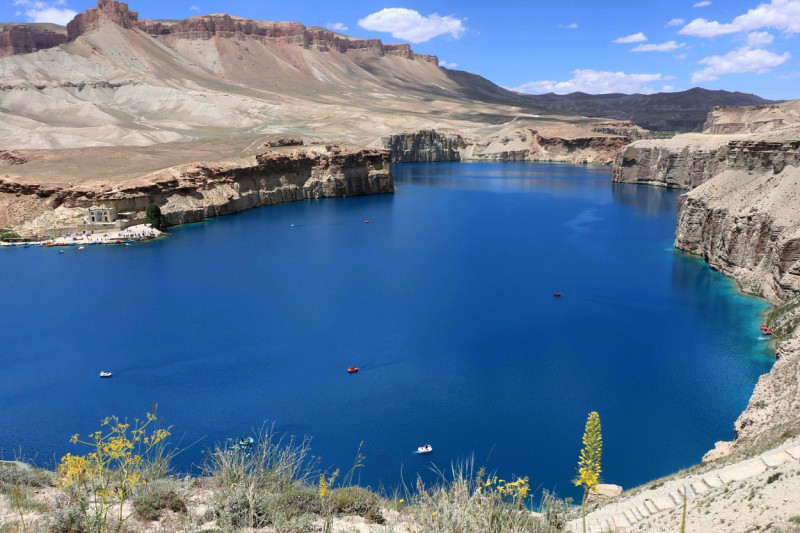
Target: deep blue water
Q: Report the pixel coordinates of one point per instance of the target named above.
(445, 301)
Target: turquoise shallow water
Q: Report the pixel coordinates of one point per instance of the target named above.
(444, 300)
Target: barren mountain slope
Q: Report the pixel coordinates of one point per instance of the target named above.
(121, 81)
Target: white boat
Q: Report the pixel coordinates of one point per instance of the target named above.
(80, 247)
(105, 374)
(425, 449)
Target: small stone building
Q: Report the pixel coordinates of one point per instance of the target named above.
(101, 215)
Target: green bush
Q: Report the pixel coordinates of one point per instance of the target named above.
(296, 503)
(152, 502)
(13, 474)
(356, 501)
(65, 518)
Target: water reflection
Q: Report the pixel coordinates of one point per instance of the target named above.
(647, 199)
(509, 176)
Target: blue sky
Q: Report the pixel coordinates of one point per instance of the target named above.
(540, 46)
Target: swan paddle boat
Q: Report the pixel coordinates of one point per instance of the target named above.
(425, 449)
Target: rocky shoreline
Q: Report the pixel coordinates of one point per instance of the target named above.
(197, 191)
(740, 215)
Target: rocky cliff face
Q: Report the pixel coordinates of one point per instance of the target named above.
(622, 128)
(512, 144)
(752, 119)
(426, 146)
(194, 192)
(746, 224)
(690, 160)
(742, 217)
(27, 38)
(106, 11)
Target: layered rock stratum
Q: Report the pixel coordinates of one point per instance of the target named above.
(26, 38)
(599, 145)
(262, 174)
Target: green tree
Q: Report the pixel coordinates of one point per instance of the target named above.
(589, 462)
(154, 215)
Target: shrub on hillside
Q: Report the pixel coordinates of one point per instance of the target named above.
(356, 501)
(158, 496)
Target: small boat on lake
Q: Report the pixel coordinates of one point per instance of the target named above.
(105, 374)
(425, 449)
(557, 294)
(352, 369)
(246, 442)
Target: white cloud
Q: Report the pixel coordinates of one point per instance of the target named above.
(668, 89)
(741, 60)
(663, 47)
(680, 56)
(445, 64)
(195, 9)
(595, 82)
(676, 22)
(573, 26)
(410, 25)
(778, 14)
(38, 11)
(759, 38)
(633, 38)
(336, 26)
(704, 3)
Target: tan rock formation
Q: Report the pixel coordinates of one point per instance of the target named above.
(602, 492)
(623, 128)
(196, 191)
(514, 143)
(106, 11)
(27, 38)
(752, 119)
(689, 160)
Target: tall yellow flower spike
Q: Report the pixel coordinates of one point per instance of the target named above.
(589, 462)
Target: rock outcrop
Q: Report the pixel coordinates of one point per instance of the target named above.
(623, 128)
(687, 161)
(27, 38)
(426, 146)
(221, 25)
(194, 192)
(512, 144)
(106, 11)
(752, 119)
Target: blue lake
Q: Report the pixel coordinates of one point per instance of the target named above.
(444, 300)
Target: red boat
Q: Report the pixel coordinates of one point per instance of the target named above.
(366, 222)
(353, 369)
(557, 294)
(766, 331)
